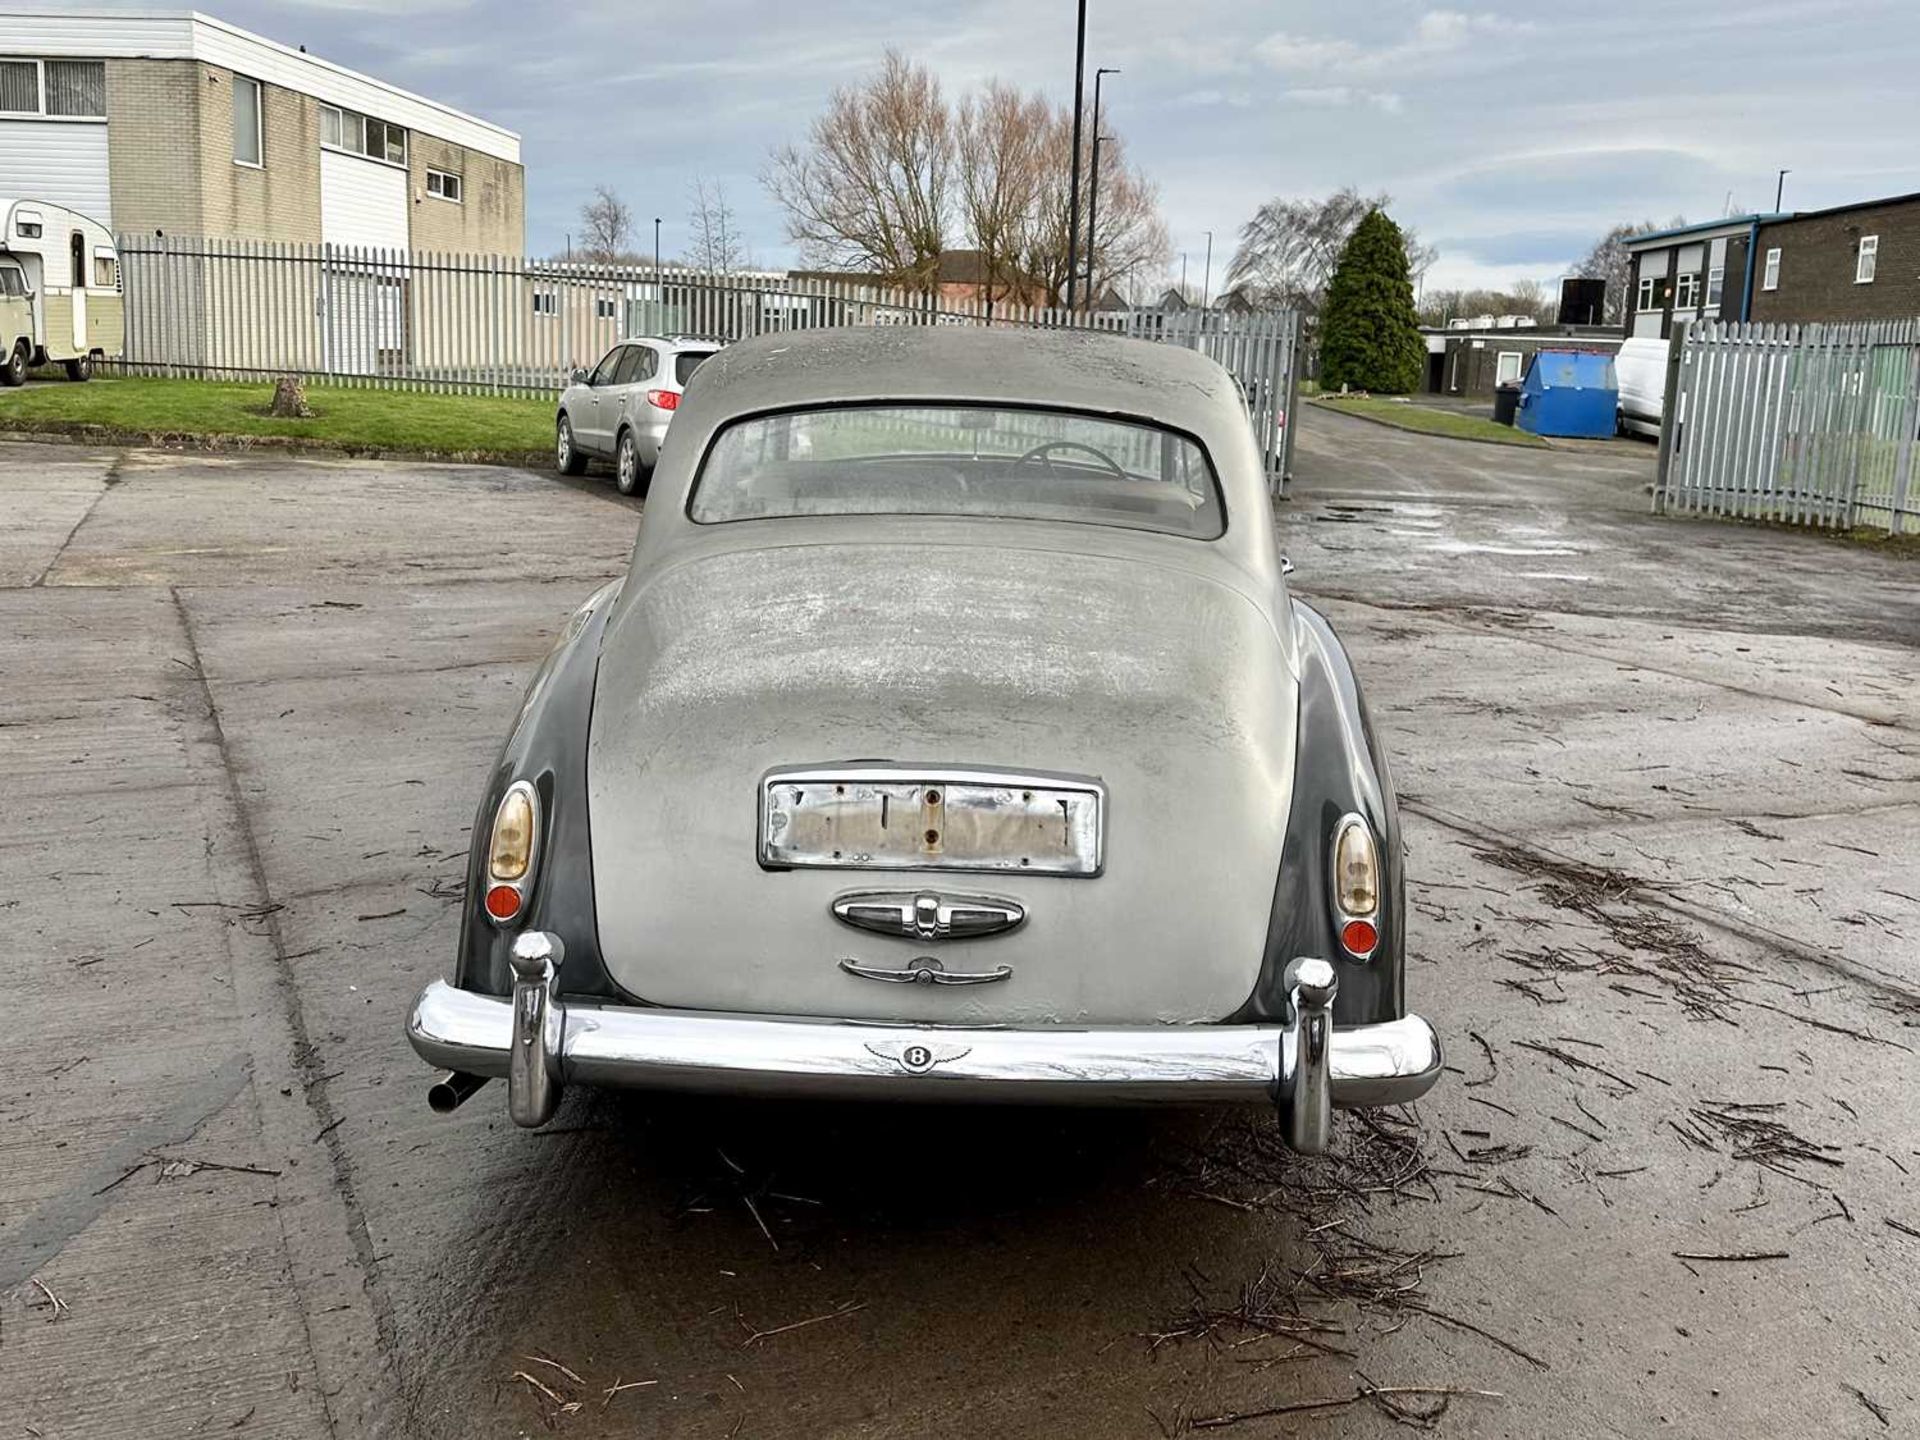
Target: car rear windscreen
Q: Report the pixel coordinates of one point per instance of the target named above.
(686, 362)
(971, 460)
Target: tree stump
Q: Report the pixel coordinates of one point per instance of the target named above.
(290, 399)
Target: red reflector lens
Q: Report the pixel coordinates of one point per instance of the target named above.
(664, 399)
(503, 902)
(1358, 937)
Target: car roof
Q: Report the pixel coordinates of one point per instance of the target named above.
(672, 342)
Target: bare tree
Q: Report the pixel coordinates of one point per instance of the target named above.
(1133, 237)
(870, 187)
(1000, 144)
(889, 173)
(1609, 261)
(1288, 250)
(717, 246)
(606, 227)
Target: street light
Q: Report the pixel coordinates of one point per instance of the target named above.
(1093, 198)
(1073, 186)
(659, 283)
(1779, 188)
(1206, 284)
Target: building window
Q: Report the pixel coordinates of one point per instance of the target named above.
(1866, 260)
(1649, 292)
(1686, 290)
(62, 89)
(246, 122)
(1716, 285)
(359, 134)
(603, 309)
(1506, 367)
(1770, 277)
(545, 303)
(444, 184)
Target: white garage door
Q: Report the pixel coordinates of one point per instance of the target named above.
(362, 202)
(63, 162)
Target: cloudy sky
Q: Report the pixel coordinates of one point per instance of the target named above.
(1509, 134)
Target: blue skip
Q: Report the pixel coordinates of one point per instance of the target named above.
(1570, 392)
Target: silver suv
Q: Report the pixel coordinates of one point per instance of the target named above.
(619, 410)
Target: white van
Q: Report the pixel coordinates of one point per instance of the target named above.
(60, 298)
(1641, 369)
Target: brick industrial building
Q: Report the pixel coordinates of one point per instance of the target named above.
(1850, 262)
(173, 121)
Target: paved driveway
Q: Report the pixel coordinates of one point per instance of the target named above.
(1662, 783)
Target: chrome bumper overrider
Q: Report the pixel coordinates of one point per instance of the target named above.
(1308, 1067)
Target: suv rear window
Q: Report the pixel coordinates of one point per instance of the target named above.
(1016, 464)
(686, 362)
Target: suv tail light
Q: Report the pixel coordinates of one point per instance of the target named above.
(664, 399)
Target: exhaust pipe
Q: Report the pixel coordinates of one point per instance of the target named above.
(452, 1090)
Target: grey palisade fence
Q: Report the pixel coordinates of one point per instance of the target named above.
(1810, 424)
(507, 324)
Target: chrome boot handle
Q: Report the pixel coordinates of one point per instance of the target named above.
(926, 971)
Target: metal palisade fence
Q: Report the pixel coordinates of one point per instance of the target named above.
(1810, 424)
(498, 324)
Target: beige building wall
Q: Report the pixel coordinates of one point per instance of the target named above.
(153, 164)
(171, 167)
(277, 201)
(491, 217)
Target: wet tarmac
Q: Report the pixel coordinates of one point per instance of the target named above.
(1662, 794)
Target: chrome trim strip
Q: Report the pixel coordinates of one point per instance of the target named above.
(1385, 1064)
(925, 970)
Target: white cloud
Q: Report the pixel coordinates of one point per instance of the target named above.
(1436, 34)
(1384, 100)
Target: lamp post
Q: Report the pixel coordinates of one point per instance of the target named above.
(1206, 284)
(1779, 188)
(1093, 195)
(1073, 185)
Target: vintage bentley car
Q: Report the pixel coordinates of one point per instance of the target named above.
(953, 736)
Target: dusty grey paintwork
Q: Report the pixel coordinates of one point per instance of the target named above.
(1221, 714)
(1158, 664)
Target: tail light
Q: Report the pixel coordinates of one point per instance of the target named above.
(512, 848)
(1356, 886)
(664, 399)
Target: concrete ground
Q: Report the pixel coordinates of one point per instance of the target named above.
(1661, 786)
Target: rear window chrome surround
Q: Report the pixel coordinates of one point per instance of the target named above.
(1084, 815)
(871, 402)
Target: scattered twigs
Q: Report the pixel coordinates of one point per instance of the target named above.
(59, 1307)
(755, 1336)
(1733, 1255)
(1397, 1402)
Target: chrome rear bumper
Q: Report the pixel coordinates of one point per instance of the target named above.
(539, 1044)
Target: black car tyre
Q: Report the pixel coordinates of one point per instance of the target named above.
(629, 476)
(14, 370)
(567, 458)
(80, 369)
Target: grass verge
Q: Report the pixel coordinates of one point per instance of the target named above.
(1405, 415)
(224, 414)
